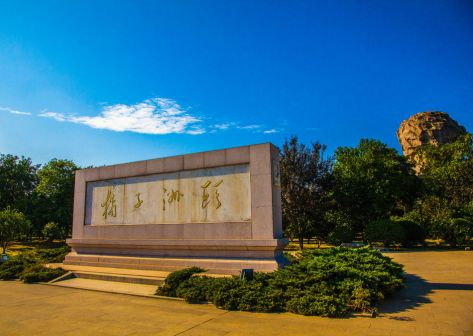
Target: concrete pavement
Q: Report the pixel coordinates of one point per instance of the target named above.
(438, 301)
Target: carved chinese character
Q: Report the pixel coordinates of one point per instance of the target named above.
(172, 196)
(139, 202)
(109, 205)
(206, 194)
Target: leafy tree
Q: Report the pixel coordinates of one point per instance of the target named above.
(13, 225)
(54, 192)
(17, 181)
(372, 181)
(341, 227)
(305, 186)
(447, 171)
(386, 231)
(52, 231)
(447, 176)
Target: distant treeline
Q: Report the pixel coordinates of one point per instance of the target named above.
(369, 192)
(39, 196)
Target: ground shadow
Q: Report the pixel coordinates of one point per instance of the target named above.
(415, 294)
(412, 296)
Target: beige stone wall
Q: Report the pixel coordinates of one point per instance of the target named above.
(212, 195)
(244, 231)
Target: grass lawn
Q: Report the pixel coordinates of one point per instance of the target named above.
(18, 247)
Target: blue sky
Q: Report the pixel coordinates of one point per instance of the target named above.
(102, 82)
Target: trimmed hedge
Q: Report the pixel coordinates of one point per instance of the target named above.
(40, 273)
(28, 266)
(329, 282)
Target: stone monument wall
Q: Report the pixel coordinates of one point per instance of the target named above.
(220, 210)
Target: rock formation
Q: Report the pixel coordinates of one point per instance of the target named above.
(427, 128)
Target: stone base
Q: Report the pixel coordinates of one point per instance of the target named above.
(218, 257)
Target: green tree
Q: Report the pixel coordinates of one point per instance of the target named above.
(447, 176)
(447, 171)
(54, 192)
(371, 182)
(17, 181)
(13, 225)
(305, 188)
(52, 231)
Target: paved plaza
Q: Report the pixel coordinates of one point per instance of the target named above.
(437, 301)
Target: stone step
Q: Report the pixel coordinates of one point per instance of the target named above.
(166, 264)
(143, 280)
(109, 286)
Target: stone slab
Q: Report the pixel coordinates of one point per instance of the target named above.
(222, 204)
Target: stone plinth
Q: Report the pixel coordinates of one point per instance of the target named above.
(220, 210)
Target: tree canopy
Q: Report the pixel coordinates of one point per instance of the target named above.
(372, 181)
(305, 185)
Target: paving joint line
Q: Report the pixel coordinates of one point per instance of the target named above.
(201, 323)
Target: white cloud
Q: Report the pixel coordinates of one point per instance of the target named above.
(12, 111)
(54, 115)
(152, 116)
(222, 126)
(249, 127)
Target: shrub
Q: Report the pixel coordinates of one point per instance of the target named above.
(17, 266)
(413, 232)
(40, 273)
(14, 267)
(458, 231)
(52, 231)
(340, 235)
(53, 255)
(13, 225)
(386, 231)
(174, 279)
(329, 282)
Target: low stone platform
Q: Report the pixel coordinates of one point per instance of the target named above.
(114, 280)
(231, 266)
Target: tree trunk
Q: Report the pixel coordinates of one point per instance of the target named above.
(301, 242)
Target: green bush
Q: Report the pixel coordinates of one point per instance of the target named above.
(413, 232)
(53, 255)
(386, 231)
(328, 282)
(40, 273)
(175, 278)
(14, 267)
(458, 231)
(52, 231)
(340, 235)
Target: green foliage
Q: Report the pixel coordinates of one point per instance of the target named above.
(175, 278)
(52, 231)
(329, 282)
(17, 265)
(53, 255)
(54, 193)
(458, 231)
(13, 225)
(17, 181)
(386, 231)
(342, 225)
(14, 267)
(447, 175)
(40, 273)
(413, 232)
(305, 188)
(447, 171)
(372, 181)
